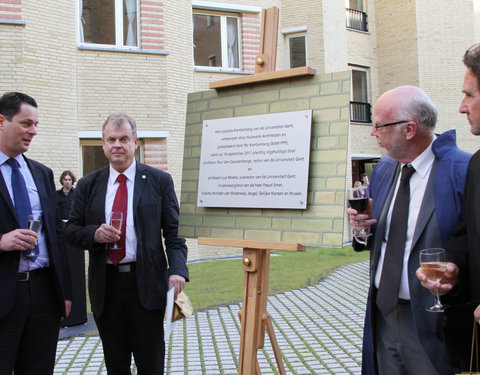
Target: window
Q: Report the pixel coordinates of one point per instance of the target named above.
(297, 51)
(356, 15)
(94, 158)
(109, 22)
(216, 40)
(360, 109)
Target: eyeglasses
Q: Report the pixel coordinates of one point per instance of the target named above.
(390, 123)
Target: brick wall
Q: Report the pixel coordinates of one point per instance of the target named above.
(11, 10)
(321, 224)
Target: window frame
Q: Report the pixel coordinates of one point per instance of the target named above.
(366, 70)
(223, 41)
(288, 38)
(119, 28)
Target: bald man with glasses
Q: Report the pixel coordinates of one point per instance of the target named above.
(416, 192)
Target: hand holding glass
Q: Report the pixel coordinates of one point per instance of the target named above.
(358, 200)
(433, 264)
(116, 222)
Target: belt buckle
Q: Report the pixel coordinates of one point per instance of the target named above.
(23, 276)
(124, 268)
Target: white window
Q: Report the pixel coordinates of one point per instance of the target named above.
(360, 85)
(297, 51)
(216, 40)
(360, 108)
(108, 22)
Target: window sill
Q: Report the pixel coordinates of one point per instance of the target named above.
(361, 123)
(208, 69)
(117, 49)
(358, 30)
(12, 22)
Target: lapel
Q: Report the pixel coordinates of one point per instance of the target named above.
(382, 221)
(427, 208)
(6, 196)
(139, 188)
(98, 194)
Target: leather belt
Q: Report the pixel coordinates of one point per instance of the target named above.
(402, 301)
(25, 276)
(122, 267)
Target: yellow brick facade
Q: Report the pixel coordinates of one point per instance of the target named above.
(407, 42)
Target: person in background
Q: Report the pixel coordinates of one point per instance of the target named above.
(416, 193)
(128, 286)
(35, 291)
(365, 181)
(66, 194)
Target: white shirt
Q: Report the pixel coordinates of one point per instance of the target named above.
(42, 259)
(112, 186)
(418, 184)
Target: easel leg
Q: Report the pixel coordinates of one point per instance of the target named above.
(276, 348)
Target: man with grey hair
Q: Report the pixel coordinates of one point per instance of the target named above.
(416, 193)
(130, 270)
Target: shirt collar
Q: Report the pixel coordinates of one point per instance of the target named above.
(129, 173)
(424, 161)
(21, 160)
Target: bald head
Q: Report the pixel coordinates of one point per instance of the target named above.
(410, 116)
(409, 103)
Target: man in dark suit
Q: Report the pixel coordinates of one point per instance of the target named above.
(128, 286)
(400, 336)
(35, 286)
(463, 245)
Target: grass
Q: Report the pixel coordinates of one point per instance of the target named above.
(220, 282)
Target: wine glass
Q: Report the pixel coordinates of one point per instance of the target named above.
(34, 223)
(433, 264)
(116, 222)
(358, 200)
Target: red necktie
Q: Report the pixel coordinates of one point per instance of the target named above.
(120, 205)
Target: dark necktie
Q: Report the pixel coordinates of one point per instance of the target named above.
(387, 296)
(23, 207)
(120, 204)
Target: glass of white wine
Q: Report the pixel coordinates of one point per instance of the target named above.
(116, 222)
(433, 264)
(34, 223)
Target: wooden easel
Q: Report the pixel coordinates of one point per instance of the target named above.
(267, 57)
(253, 316)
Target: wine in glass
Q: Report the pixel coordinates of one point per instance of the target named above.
(34, 223)
(433, 264)
(116, 222)
(358, 200)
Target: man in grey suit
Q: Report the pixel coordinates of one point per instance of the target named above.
(128, 286)
(400, 336)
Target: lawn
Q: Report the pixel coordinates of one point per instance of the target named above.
(220, 282)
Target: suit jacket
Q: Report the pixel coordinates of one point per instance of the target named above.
(53, 228)
(155, 212)
(441, 210)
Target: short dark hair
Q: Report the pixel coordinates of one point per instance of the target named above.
(68, 173)
(11, 102)
(471, 59)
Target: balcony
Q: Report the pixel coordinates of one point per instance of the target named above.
(356, 20)
(360, 112)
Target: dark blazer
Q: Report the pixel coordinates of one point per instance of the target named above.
(441, 210)
(53, 228)
(155, 210)
(65, 202)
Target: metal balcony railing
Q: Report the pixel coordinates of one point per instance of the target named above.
(360, 112)
(356, 20)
